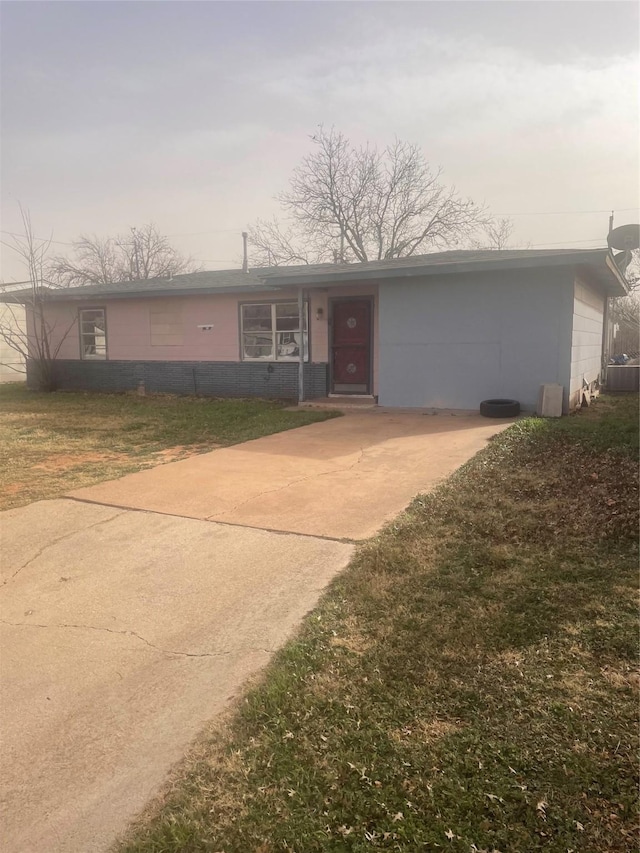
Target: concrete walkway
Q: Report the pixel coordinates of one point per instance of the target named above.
(129, 617)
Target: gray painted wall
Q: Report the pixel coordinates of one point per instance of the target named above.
(452, 341)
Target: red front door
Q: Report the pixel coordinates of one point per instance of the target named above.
(351, 347)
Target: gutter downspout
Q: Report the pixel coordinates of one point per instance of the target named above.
(301, 347)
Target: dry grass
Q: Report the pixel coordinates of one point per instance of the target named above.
(52, 443)
(468, 684)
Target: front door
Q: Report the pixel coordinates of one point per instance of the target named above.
(351, 347)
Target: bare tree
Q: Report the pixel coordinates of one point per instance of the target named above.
(276, 245)
(37, 340)
(141, 254)
(495, 234)
(363, 204)
(632, 271)
(625, 318)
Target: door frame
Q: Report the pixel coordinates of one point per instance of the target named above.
(333, 300)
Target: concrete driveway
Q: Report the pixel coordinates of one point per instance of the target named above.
(133, 610)
(340, 479)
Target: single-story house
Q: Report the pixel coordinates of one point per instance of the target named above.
(443, 330)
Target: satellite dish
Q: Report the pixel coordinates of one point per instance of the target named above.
(626, 238)
(622, 259)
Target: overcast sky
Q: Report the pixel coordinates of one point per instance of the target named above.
(192, 115)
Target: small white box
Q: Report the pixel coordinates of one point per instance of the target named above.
(550, 401)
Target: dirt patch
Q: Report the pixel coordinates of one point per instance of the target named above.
(13, 488)
(182, 451)
(64, 461)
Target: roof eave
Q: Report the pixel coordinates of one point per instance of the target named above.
(358, 275)
(79, 294)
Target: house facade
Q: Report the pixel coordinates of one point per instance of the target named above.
(445, 330)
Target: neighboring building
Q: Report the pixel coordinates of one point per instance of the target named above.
(12, 325)
(444, 330)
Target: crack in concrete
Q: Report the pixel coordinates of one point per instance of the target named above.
(213, 519)
(288, 485)
(129, 633)
(53, 542)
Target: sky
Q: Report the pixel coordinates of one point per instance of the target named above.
(192, 115)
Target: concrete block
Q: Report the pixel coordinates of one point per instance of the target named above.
(550, 401)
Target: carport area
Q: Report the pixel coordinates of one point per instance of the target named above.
(134, 610)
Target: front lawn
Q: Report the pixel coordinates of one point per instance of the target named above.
(468, 684)
(52, 443)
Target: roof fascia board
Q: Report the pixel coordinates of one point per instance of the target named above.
(67, 296)
(345, 277)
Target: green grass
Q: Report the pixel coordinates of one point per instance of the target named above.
(51, 443)
(467, 684)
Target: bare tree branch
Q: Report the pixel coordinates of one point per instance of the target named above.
(625, 317)
(143, 253)
(632, 272)
(36, 340)
(362, 204)
(274, 246)
(496, 234)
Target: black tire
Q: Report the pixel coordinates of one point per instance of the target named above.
(499, 408)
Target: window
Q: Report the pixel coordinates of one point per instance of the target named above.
(93, 333)
(166, 328)
(271, 331)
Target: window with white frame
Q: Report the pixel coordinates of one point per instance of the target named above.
(93, 333)
(270, 331)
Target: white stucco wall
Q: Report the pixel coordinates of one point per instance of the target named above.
(453, 341)
(586, 337)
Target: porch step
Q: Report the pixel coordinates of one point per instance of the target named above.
(340, 402)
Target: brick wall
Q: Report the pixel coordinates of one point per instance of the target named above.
(208, 378)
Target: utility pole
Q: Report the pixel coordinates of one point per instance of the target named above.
(245, 253)
(611, 222)
(135, 253)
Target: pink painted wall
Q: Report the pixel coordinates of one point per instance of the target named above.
(129, 325)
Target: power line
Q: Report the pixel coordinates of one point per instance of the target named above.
(210, 231)
(567, 212)
(42, 239)
(567, 242)
(187, 234)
